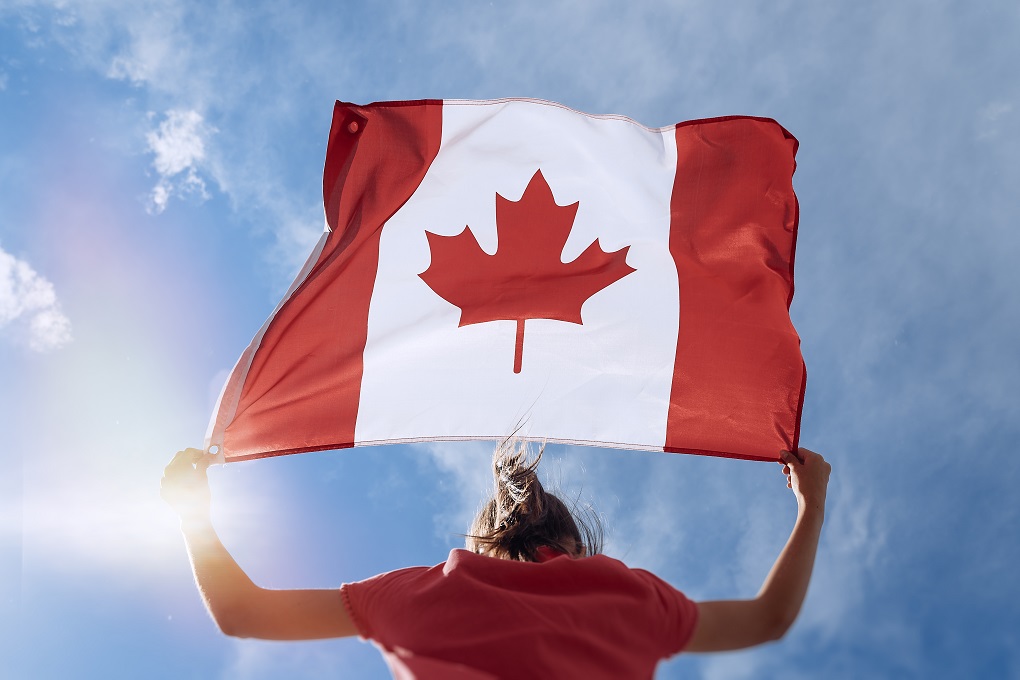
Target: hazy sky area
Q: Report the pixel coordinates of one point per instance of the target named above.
(160, 184)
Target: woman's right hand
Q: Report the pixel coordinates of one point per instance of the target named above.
(807, 473)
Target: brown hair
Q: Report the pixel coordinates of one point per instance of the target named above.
(522, 516)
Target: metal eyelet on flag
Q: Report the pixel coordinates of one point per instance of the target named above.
(353, 127)
(216, 450)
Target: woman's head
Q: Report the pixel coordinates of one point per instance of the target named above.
(522, 516)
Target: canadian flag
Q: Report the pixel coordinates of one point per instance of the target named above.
(489, 265)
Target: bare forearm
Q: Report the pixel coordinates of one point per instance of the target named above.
(224, 586)
(736, 624)
(243, 609)
(238, 606)
(783, 592)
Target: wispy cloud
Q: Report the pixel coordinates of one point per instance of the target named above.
(209, 134)
(465, 477)
(466, 481)
(29, 309)
(990, 118)
(178, 144)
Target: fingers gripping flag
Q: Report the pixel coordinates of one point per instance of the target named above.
(488, 262)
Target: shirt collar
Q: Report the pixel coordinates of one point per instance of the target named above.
(546, 553)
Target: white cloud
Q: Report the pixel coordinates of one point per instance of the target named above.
(466, 482)
(467, 468)
(989, 117)
(294, 238)
(218, 129)
(853, 543)
(29, 306)
(178, 144)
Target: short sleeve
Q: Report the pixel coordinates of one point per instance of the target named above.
(376, 601)
(679, 613)
(353, 610)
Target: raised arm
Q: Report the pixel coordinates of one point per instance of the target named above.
(239, 607)
(737, 624)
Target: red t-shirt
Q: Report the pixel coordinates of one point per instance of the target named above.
(476, 617)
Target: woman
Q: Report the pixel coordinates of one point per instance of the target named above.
(529, 598)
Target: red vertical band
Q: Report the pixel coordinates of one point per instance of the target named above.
(738, 382)
(302, 389)
(519, 346)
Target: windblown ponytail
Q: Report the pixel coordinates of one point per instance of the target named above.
(522, 516)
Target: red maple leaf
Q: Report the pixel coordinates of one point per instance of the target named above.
(525, 278)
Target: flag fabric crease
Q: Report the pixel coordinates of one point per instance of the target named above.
(494, 263)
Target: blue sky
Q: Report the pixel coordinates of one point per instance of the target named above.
(160, 183)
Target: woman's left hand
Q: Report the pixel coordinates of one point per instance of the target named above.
(185, 486)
